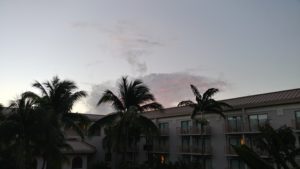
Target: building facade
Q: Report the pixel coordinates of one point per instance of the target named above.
(183, 138)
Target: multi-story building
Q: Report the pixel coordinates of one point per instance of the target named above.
(181, 137)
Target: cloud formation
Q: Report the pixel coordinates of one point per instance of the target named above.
(127, 41)
(168, 88)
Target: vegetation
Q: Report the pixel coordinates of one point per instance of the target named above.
(58, 96)
(280, 145)
(204, 103)
(127, 123)
(33, 126)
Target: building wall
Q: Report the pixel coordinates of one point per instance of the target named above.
(278, 116)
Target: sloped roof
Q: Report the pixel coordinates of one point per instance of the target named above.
(266, 99)
(252, 101)
(79, 147)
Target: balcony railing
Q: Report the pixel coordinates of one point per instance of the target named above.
(164, 132)
(207, 150)
(232, 129)
(161, 148)
(132, 149)
(194, 131)
(295, 124)
(230, 151)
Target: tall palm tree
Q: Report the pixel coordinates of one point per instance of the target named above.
(127, 122)
(27, 132)
(59, 97)
(205, 103)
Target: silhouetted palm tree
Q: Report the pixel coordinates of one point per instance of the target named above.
(128, 123)
(59, 97)
(280, 145)
(27, 133)
(205, 103)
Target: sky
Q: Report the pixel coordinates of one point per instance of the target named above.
(241, 47)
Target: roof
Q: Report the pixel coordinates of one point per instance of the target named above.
(266, 99)
(253, 101)
(79, 147)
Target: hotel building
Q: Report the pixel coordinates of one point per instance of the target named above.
(182, 138)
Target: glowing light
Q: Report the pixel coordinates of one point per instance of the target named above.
(162, 159)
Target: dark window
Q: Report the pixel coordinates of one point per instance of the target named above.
(257, 120)
(234, 123)
(77, 163)
(297, 116)
(236, 164)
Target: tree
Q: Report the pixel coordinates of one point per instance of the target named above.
(127, 123)
(280, 145)
(204, 104)
(26, 133)
(59, 96)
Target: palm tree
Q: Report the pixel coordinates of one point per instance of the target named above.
(28, 132)
(204, 104)
(59, 97)
(280, 145)
(127, 122)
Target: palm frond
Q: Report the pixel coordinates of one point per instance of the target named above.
(151, 106)
(209, 93)
(106, 120)
(147, 126)
(109, 97)
(195, 111)
(196, 92)
(185, 103)
(39, 86)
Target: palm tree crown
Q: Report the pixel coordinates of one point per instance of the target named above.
(131, 94)
(205, 103)
(59, 96)
(127, 123)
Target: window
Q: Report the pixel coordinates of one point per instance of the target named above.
(163, 128)
(77, 163)
(185, 142)
(234, 123)
(163, 144)
(201, 144)
(202, 162)
(257, 120)
(185, 126)
(186, 158)
(297, 116)
(233, 141)
(236, 164)
(163, 125)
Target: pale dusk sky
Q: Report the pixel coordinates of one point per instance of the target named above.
(241, 47)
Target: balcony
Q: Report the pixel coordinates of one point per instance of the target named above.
(232, 129)
(164, 132)
(197, 150)
(296, 125)
(132, 149)
(194, 131)
(229, 151)
(161, 149)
